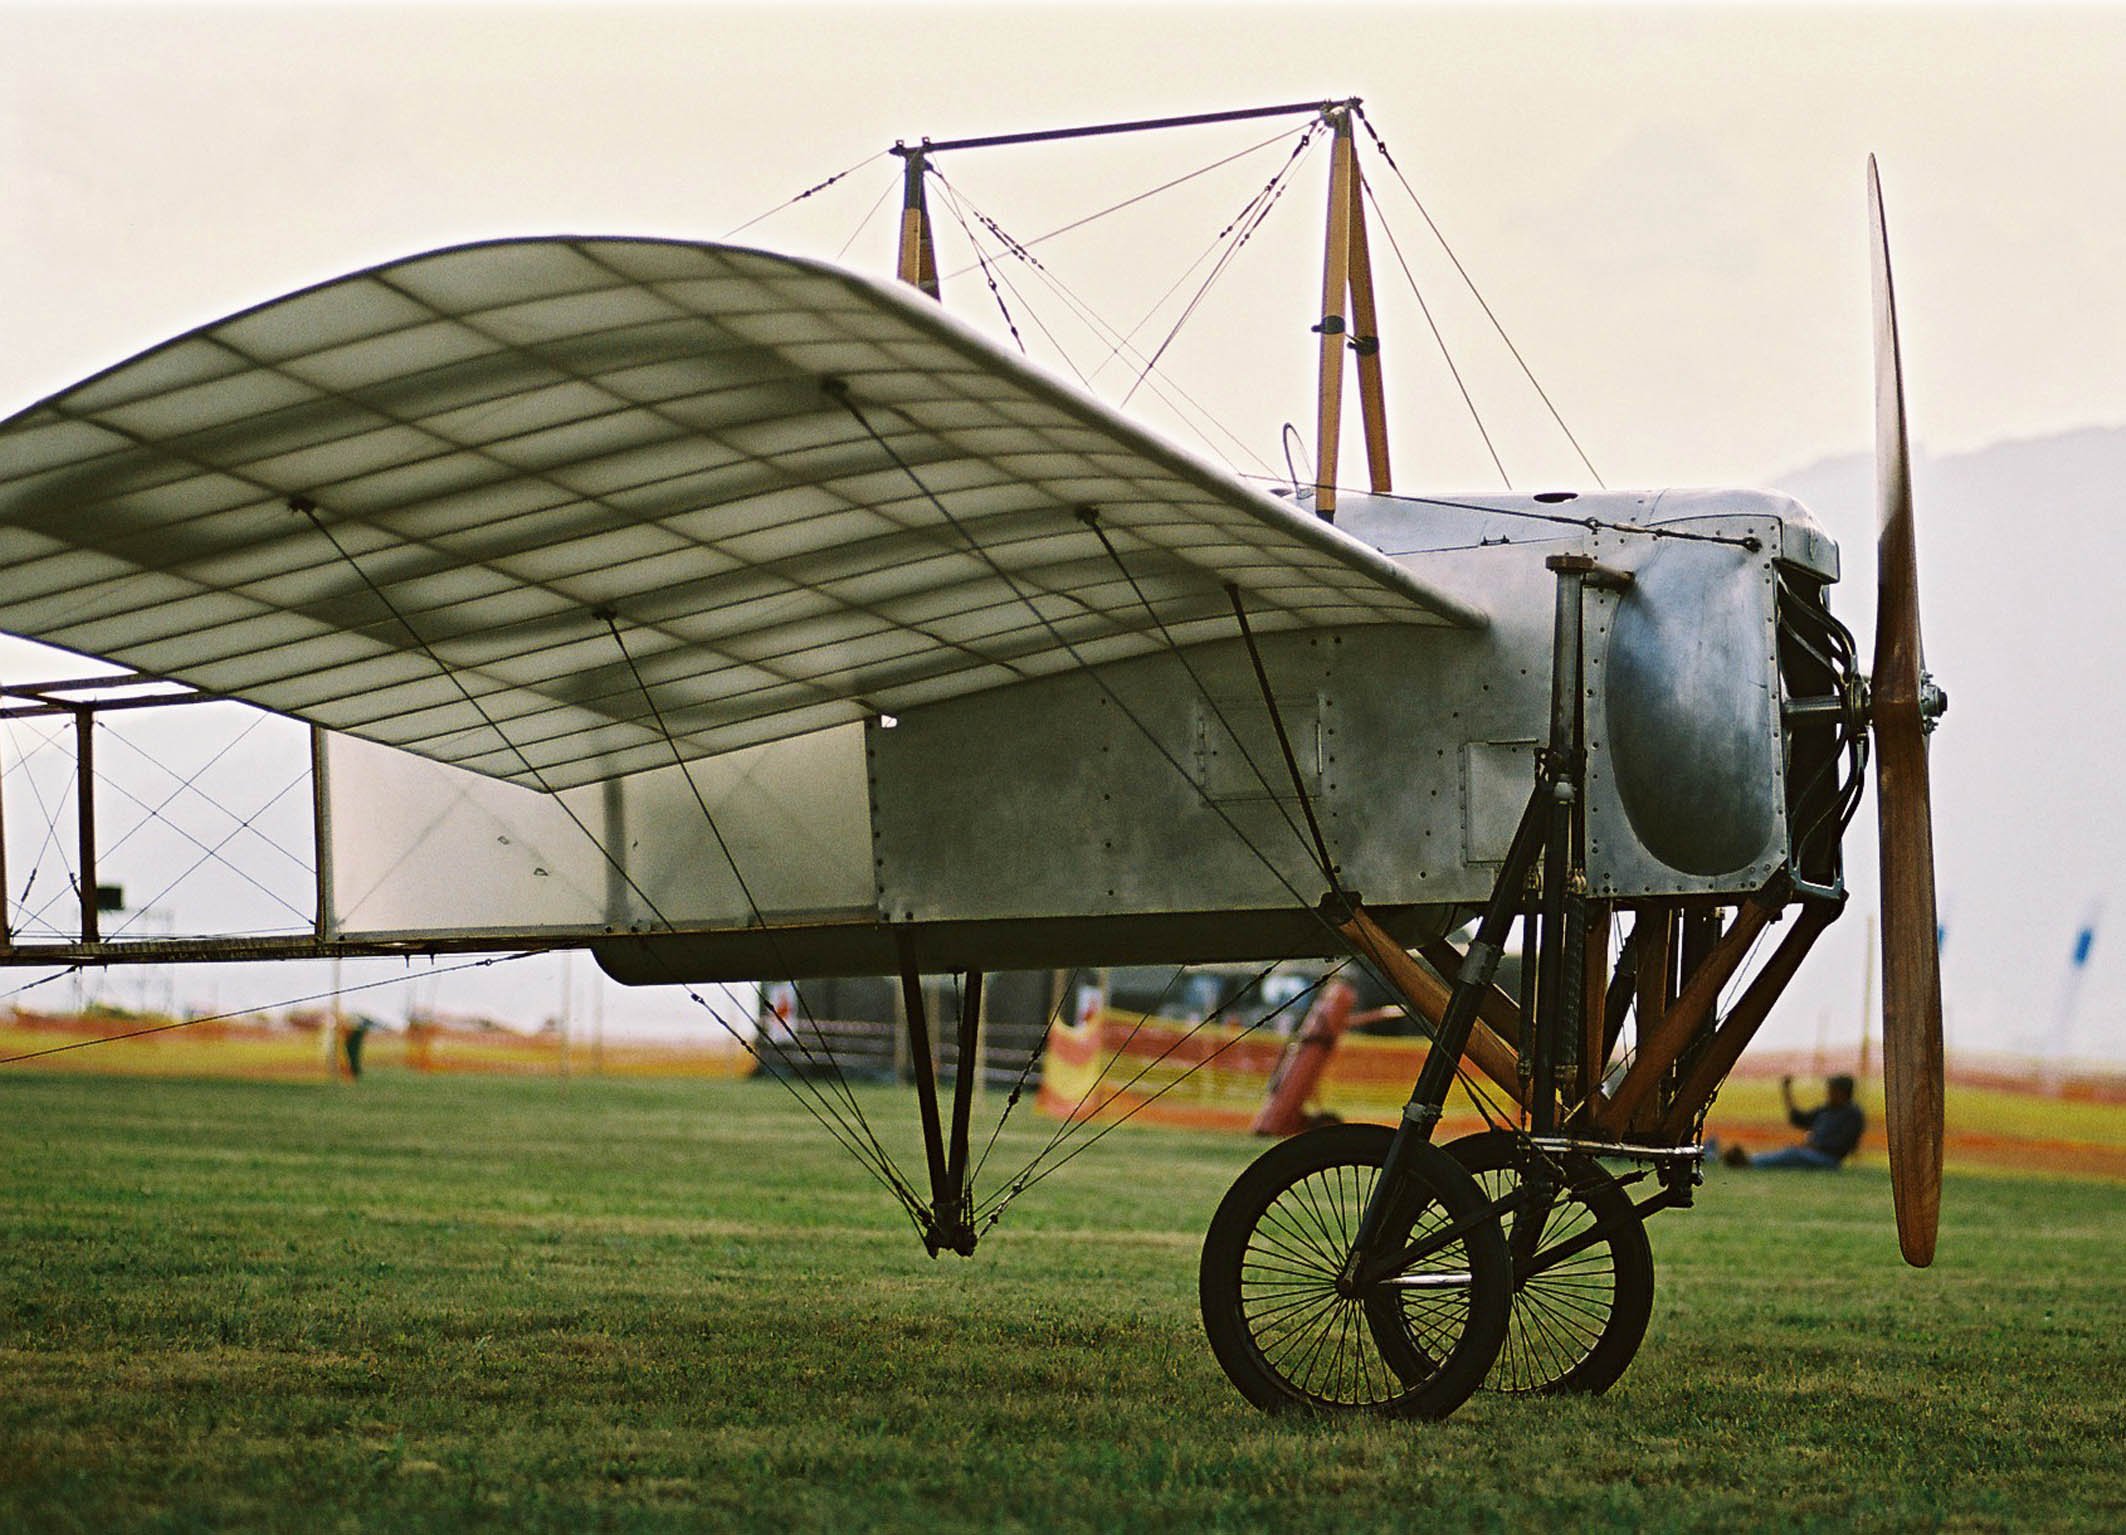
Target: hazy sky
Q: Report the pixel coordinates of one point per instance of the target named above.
(1663, 205)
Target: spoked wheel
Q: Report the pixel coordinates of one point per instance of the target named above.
(1289, 1335)
(1580, 1305)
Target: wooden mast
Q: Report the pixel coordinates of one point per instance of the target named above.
(1335, 289)
(918, 260)
(1365, 341)
(1347, 289)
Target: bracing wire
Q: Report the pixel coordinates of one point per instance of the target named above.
(1251, 219)
(870, 213)
(1064, 993)
(811, 191)
(731, 858)
(1071, 1114)
(188, 783)
(839, 391)
(153, 814)
(993, 1211)
(982, 260)
(1020, 247)
(51, 834)
(214, 854)
(883, 1169)
(1162, 387)
(1656, 533)
(1477, 293)
(1431, 324)
(186, 1023)
(1328, 866)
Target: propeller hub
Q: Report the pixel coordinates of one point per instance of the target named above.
(1856, 703)
(1933, 702)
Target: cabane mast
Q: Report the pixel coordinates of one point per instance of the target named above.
(1349, 320)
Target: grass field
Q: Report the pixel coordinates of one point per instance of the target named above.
(458, 1303)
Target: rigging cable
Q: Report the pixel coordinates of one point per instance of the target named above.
(686, 771)
(51, 832)
(1263, 202)
(1656, 532)
(994, 1211)
(1424, 308)
(745, 888)
(1020, 248)
(981, 259)
(1165, 389)
(870, 213)
(189, 783)
(1529, 373)
(1091, 519)
(316, 996)
(152, 814)
(884, 1170)
(1033, 1058)
(838, 390)
(1070, 1115)
(214, 855)
(810, 191)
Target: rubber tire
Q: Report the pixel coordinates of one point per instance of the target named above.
(1631, 1257)
(1437, 1179)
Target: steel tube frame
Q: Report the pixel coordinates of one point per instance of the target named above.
(945, 1223)
(1140, 125)
(964, 1082)
(85, 808)
(1552, 804)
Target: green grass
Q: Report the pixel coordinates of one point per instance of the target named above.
(451, 1303)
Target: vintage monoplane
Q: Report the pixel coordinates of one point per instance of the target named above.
(812, 629)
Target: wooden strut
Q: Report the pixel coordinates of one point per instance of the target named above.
(918, 265)
(1426, 994)
(1679, 1025)
(1725, 1048)
(1365, 341)
(1654, 933)
(1594, 1010)
(1347, 290)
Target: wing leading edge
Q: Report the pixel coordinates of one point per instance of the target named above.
(528, 506)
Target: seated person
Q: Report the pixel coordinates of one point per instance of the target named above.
(1833, 1128)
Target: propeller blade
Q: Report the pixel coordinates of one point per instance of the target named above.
(1911, 948)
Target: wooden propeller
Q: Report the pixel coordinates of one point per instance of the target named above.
(1905, 705)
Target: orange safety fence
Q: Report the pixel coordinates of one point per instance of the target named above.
(2000, 1112)
(1115, 1060)
(309, 1046)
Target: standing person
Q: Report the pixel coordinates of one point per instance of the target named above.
(357, 1030)
(1834, 1128)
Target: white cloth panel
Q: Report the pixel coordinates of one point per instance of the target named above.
(511, 449)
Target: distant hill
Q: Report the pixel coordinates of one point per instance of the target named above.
(2022, 546)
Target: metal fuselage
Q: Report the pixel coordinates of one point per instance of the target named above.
(1148, 814)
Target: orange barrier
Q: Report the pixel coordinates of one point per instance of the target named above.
(1111, 1062)
(306, 1047)
(1114, 1061)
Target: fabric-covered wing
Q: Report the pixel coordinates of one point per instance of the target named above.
(416, 504)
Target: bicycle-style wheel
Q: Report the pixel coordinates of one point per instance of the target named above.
(1580, 1306)
(1290, 1333)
